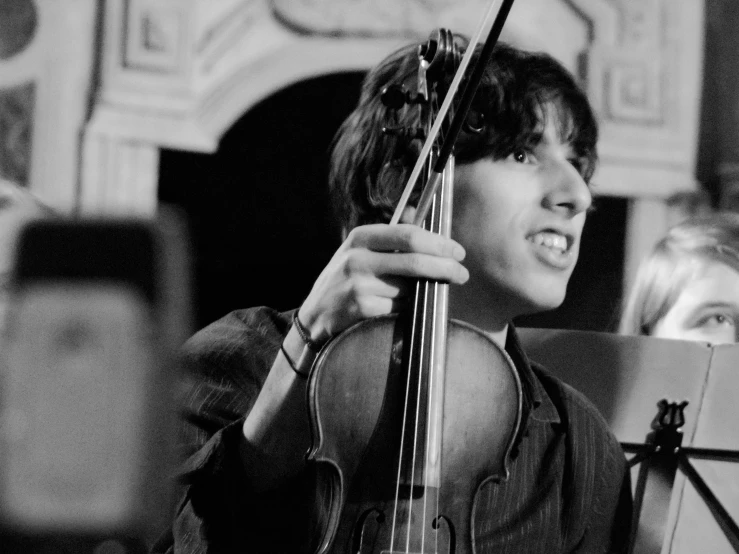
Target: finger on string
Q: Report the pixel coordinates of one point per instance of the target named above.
(416, 265)
(406, 238)
(379, 306)
(389, 286)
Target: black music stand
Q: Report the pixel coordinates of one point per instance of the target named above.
(624, 376)
(663, 453)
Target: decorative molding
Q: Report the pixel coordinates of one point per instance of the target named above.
(223, 35)
(223, 105)
(642, 22)
(414, 19)
(640, 61)
(634, 92)
(370, 17)
(57, 65)
(121, 176)
(156, 37)
(18, 23)
(634, 81)
(645, 83)
(16, 123)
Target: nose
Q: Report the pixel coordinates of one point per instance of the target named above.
(567, 191)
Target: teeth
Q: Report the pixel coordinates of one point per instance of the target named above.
(550, 240)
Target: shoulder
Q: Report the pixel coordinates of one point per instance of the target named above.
(569, 401)
(240, 335)
(240, 327)
(587, 429)
(596, 466)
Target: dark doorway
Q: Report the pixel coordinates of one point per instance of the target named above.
(261, 226)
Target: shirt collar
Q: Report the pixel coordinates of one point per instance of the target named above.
(536, 400)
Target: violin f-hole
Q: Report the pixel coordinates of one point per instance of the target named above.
(360, 527)
(450, 529)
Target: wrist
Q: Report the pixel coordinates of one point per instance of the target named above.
(315, 343)
(299, 354)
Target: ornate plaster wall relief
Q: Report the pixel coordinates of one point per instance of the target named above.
(46, 71)
(180, 74)
(18, 23)
(16, 120)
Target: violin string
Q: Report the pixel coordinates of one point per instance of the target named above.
(423, 340)
(441, 215)
(411, 350)
(429, 422)
(419, 340)
(415, 346)
(429, 299)
(432, 385)
(416, 355)
(445, 105)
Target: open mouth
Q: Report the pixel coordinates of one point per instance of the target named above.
(553, 240)
(554, 249)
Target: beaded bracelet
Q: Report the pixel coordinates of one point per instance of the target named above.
(305, 335)
(292, 363)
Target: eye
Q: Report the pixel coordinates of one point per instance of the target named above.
(717, 320)
(520, 156)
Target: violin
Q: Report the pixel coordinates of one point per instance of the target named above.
(412, 413)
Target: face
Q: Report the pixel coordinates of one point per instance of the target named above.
(520, 221)
(707, 309)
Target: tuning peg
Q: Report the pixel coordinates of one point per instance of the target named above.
(396, 96)
(405, 133)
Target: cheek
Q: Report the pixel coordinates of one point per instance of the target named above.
(669, 327)
(479, 208)
(476, 225)
(467, 216)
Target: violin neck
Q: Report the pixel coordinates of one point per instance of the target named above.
(428, 344)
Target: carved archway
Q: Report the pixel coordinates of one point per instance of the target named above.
(177, 74)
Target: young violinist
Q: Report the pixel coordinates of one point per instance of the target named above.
(521, 194)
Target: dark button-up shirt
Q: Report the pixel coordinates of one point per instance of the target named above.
(568, 491)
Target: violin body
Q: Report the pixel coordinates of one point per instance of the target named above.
(377, 503)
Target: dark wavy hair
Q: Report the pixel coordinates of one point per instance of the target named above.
(369, 168)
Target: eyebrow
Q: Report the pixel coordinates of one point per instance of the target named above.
(713, 305)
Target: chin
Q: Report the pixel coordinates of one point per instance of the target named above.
(541, 299)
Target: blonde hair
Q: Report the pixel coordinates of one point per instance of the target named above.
(677, 258)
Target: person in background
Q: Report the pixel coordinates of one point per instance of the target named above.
(688, 287)
(521, 195)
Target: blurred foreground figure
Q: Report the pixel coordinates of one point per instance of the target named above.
(96, 310)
